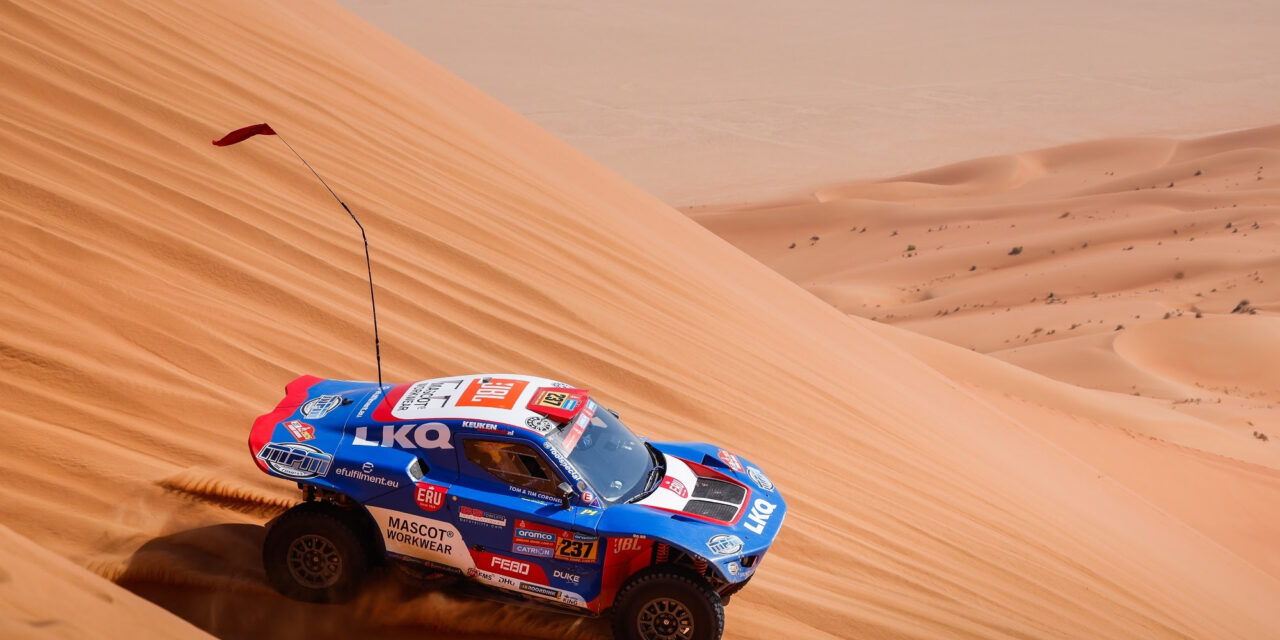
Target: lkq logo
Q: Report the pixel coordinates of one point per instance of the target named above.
(675, 486)
(730, 460)
(429, 497)
(761, 509)
(428, 435)
(295, 460)
(320, 406)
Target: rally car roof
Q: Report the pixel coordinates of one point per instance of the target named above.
(500, 398)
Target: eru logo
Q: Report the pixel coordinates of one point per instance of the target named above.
(761, 509)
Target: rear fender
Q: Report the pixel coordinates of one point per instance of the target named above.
(295, 393)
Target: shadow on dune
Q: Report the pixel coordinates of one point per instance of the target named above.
(212, 577)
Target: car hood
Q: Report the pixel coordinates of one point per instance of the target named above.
(711, 504)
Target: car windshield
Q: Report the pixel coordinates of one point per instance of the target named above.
(615, 462)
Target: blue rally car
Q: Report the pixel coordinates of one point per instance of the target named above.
(521, 483)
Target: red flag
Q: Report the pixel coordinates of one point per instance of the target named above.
(242, 134)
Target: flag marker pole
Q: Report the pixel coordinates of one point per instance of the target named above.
(244, 133)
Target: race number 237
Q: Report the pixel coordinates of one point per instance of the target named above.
(576, 550)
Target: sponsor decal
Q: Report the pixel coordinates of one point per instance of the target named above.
(724, 544)
(761, 509)
(505, 581)
(575, 432)
(564, 463)
(295, 460)
(364, 476)
(532, 495)
(419, 533)
(760, 479)
(556, 400)
(589, 498)
(577, 550)
(300, 431)
(480, 516)
(422, 396)
(430, 497)
(569, 546)
(730, 460)
(509, 566)
(484, 426)
(428, 435)
(532, 550)
(320, 406)
(540, 424)
(494, 393)
(539, 590)
(572, 599)
(673, 484)
(533, 533)
(733, 568)
(566, 576)
(588, 512)
(622, 545)
(368, 403)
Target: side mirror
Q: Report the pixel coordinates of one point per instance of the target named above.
(566, 492)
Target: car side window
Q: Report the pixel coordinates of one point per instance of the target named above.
(513, 463)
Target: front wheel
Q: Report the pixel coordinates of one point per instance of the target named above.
(667, 603)
(314, 553)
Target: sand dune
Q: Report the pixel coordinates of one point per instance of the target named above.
(1139, 288)
(46, 596)
(159, 292)
(1090, 263)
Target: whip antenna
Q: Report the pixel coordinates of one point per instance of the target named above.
(264, 129)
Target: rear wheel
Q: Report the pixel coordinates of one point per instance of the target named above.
(667, 603)
(314, 553)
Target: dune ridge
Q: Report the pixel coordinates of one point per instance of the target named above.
(1123, 281)
(159, 292)
(1067, 261)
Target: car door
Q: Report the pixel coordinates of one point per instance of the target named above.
(518, 532)
(413, 520)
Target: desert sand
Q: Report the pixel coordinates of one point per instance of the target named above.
(159, 292)
(724, 101)
(1132, 272)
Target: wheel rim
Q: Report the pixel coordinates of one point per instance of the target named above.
(665, 619)
(314, 561)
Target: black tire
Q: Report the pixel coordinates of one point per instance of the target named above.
(315, 553)
(667, 603)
